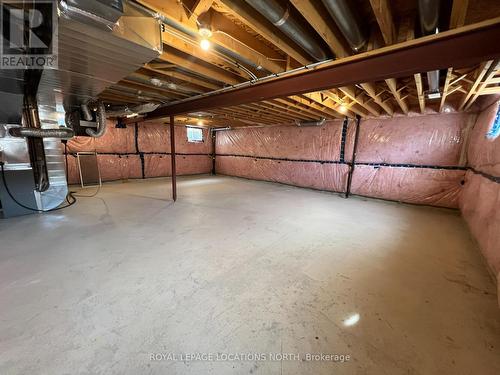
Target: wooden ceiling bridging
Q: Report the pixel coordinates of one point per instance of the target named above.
(245, 46)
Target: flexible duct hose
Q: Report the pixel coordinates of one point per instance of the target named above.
(101, 122)
(63, 133)
(86, 112)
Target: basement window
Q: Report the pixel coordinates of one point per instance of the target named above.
(194, 134)
(494, 131)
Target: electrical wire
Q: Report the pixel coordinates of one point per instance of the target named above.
(68, 196)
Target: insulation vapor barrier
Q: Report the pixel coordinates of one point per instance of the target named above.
(141, 151)
(417, 159)
(480, 200)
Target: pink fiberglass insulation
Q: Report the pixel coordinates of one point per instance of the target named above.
(112, 168)
(155, 137)
(484, 153)
(120, 159)
(79, 144)
(421, 140)
(480, 200)
(331, 177)
(116, 140)
(116, 167)
(160, 165)
(193, 164)
(290, 142)
(434, 187)
(431, 140)
(157, 166)
(480, 203)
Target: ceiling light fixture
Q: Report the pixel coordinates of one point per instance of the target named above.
(205, 33)
(205, 44)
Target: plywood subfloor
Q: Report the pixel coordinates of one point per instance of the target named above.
(238, 266)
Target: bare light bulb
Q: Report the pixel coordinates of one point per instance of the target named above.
(205, 44)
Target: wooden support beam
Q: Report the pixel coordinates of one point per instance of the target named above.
(490, 90)
(383, 14)
(309, 106)
(292, 110)
(393, 86)
(172, 158)
(446, 88)
(240, 42)
(191, 47)
(479, 75)
(200, 7)
(341, 103)
(490, 73)
(458, 13)
(420, 91)
(371, 90)
(226, 33)
(316, 100)
(192, 64)
(238, 117)
(323, 26)
(350, 92)
(460, 47)
(245, 14)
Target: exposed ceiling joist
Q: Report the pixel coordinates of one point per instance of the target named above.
(200, 7)
(446, 88)
(371, 90)
(350, 92)
(479, 75)
(459, 47)
(383, 15)
(420, 91)
(491, 72)
(195, 66)
(322, 25)
(248, 17)
(392, 83)
(458, 13)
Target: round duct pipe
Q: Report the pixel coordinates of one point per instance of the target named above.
(429, 16)
(347, 23)
(63, 133)
(429, 22)
(280, 17)
(310, 123)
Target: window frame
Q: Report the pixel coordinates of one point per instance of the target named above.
(190, 139)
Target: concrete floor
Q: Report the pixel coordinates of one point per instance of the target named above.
(248, 267)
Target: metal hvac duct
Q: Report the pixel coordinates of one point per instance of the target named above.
(429, 21)
(280, 17)
(347, 23)
(310, 123)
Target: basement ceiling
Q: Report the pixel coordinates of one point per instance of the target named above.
(246, 46)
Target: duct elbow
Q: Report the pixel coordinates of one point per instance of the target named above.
(101, 122)
(87, 116)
